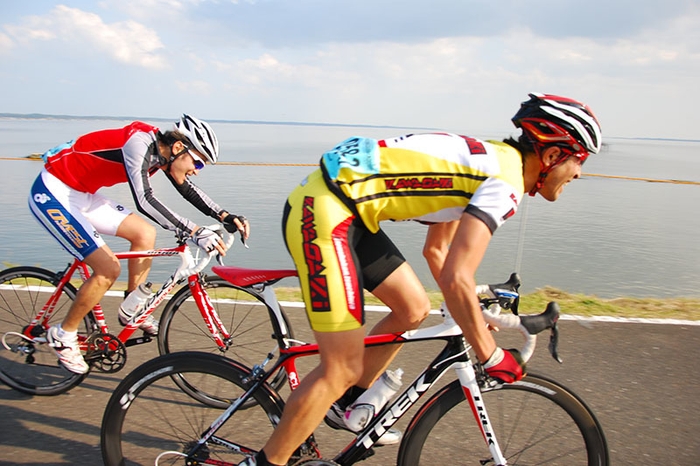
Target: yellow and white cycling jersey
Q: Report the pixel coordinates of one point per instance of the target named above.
(427, 177)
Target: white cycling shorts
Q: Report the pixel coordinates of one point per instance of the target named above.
(76, 219)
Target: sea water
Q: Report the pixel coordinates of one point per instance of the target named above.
(604, 236)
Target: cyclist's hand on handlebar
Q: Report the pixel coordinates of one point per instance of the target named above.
(505, 365)
(209, 240)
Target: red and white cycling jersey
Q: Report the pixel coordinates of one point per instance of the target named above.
(129, 154)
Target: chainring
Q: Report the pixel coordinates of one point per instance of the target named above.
(105, 352)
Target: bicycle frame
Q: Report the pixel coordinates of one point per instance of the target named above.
(189, 268)
(454, 355)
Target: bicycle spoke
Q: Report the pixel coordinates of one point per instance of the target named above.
(163, 421)
(535, 423)
(246, 319)
(31, 366)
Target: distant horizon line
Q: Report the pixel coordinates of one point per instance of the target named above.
(38, 116)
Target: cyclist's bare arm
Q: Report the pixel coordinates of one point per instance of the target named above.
(458, 285)
(437, 245)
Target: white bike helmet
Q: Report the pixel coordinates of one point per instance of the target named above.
(200, 135)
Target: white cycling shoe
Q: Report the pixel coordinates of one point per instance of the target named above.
(68, 351)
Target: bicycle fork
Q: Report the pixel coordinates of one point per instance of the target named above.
(454, 356)
(211, 317)
(470, 385)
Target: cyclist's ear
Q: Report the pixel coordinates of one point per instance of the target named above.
(550, 155)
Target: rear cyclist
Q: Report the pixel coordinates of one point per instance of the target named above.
(65, 201)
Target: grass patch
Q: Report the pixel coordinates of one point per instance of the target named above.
(572, 304)
(579, 304)
(535, 302)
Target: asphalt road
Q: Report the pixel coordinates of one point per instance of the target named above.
(634, 376)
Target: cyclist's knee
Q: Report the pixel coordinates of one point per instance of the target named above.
(413, 314)
(341, 357)
(151, 230)
(140, 233)
(110, 273)
(343, 375)
(106, 270)
(420, 311)
(146, 237)
(343, 372)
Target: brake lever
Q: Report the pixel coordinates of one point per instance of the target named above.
(232, 228)
(554, 343)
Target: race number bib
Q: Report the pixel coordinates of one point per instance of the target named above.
(55, 150)
(359, 154)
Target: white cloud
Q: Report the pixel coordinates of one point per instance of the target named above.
(128, 42)
(299, 61)
(147, 10)
(196, 87)
(6, 43)
(472, 82)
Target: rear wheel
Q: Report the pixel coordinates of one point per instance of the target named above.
(29, 364)
(536, 421)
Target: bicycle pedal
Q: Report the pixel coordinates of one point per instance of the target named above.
(146, 338)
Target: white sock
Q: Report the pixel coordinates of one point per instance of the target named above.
(64, 335)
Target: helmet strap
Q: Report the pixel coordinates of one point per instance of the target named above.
(544, 170)
(174, 156)
(538, 185)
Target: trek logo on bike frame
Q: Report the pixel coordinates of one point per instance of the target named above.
(62, 222)
(402, 405)
(318, 285)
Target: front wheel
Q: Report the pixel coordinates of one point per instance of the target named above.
(536, 421)
(149, 420)
(245, 316)
(29, 365)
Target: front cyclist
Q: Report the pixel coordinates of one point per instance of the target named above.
(465, 188)
(65, 201)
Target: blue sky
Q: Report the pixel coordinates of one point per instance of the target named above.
(459, 65)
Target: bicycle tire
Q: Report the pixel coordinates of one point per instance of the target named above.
(32, 367)
(244, 314)
(536, 421)
(149, 418)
